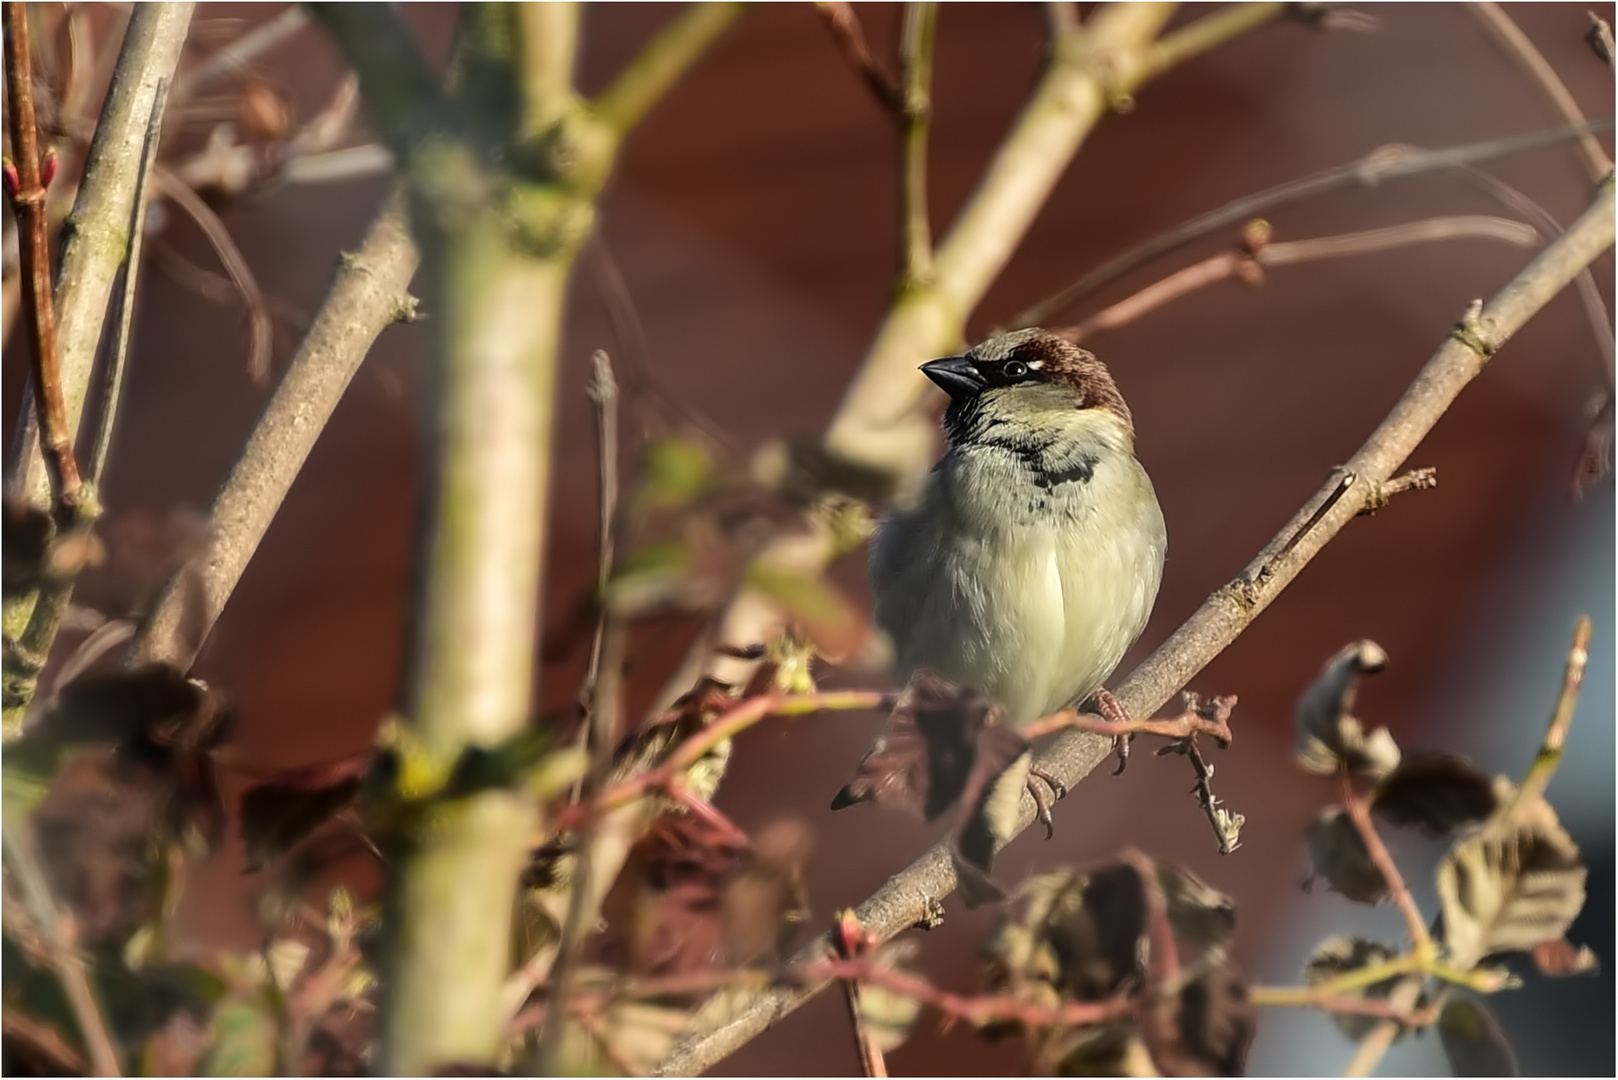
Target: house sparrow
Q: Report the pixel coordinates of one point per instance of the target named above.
(1033, 558)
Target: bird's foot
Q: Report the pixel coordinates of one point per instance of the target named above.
(1113, 712)
(1042, 804)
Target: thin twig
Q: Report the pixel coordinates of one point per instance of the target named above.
(602, 696)
(56, 930)
(603, 394)
(234, 58)
(1509, 36)
(1401, 1000)
(727, 727)
(1237, 264)
(1595, 309)
(113, 377)
(915, 113)
(1359, 812)
(26, 189)
(662, 64)
(1385, 163)
(978, 1011)
(1209, 32)
(1227, 826)
(872, 1061)
(1415, 480)
(1312, 997)
(844, 23)
(906, 896)
(261, 328)
(549, 35)
(94, 236)
(1551, 750)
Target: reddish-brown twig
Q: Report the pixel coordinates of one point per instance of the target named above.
(25, 186)
(845, 29)
(728, 726)
(1249, 260)
(261, 330)
(1212, 719)
(974, 1010)
(1359, 810)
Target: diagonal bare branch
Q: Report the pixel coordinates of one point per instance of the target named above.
(905, 899)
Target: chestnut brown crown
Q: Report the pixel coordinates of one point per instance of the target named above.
(1033, 358)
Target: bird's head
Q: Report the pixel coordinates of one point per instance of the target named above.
(1029, 378)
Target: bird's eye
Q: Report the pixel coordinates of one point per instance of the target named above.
(1015, 369)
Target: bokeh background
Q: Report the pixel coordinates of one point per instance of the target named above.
(747, 248)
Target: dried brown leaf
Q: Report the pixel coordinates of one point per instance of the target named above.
(703, 900)
(1337, 853)
(1435, 792)
(921, 761)
(1513, 885)
(278, 814)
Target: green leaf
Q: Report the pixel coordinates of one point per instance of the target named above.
(888, 1016)
(557, 771)
(26, 769)
(243, 1040)
(652, 576)
(674, 472)
(1511, 886)
(818, 608)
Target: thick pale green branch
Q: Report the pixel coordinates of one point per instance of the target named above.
(549, 39)
(498, 227)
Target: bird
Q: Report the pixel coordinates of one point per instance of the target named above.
(1032, 559)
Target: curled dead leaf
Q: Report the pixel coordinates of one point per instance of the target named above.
(1330, 737)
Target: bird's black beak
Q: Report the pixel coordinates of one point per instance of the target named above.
(956, 376)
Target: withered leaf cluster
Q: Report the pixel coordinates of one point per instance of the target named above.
(1512, 880)
(945, 746)
(695, 898)
(1151, 933)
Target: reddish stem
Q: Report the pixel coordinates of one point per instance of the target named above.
(27, 194)
(1359, 811)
